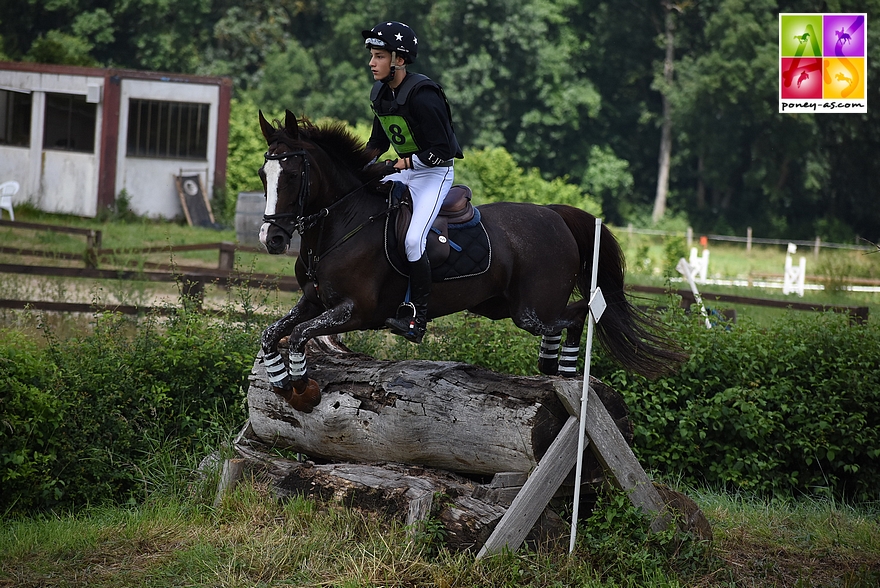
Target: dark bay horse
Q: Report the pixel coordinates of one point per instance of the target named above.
(318, 183)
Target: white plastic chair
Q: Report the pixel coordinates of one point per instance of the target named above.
(7, 190)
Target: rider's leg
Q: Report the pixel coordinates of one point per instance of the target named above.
(428, 187)
(413, 328)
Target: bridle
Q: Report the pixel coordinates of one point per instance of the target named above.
(292, 222)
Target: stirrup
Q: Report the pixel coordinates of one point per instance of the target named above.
(408, 306)
(406, 326)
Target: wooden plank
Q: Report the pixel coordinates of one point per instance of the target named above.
(168, 248)
(38, 253)
(80, 307)
(173, 274)
(612, 451)
(536, 493)
(194, 201)
(419, 511)
(229, 477)
(42, 227)
(859, 313)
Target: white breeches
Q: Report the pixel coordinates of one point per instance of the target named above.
(428, 187)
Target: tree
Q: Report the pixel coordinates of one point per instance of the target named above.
(666, 134)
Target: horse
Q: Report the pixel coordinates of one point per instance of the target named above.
(319, 182)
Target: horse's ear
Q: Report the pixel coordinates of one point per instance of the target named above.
(266, 127)
(291, 125)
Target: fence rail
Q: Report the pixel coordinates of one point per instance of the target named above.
(749, 240)
(194, 279)
(857, 314)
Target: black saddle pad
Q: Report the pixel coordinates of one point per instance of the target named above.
(470, 252)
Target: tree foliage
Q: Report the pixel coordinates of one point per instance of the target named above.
(572, 88)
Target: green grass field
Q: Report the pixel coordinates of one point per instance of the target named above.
(177, 538)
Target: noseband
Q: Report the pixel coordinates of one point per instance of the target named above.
(292, 222)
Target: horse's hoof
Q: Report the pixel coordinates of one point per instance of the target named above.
(303, 397)
(548, 367)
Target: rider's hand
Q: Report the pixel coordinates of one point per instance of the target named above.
(382, 168)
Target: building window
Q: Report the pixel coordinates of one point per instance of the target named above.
(176, 130)
(69, 123)
(15, 118)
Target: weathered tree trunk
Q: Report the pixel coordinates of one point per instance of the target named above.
(666, 130)
(467, 511)
(418, 440)
(445, 415)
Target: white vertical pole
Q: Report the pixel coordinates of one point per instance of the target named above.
(585, 392)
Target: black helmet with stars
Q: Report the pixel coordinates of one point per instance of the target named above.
(394, 37)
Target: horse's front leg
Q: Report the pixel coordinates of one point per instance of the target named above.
(281, 374)
(303, 393)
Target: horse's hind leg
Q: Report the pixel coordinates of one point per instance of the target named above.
(550, 361)
(576, 312)
(548, 357)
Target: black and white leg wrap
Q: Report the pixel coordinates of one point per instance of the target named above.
(297, 365)
(275, 368)
(568, 361)
(550, 347)
(279, 373)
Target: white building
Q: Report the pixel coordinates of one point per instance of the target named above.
(76, 137)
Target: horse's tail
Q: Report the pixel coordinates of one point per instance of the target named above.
(631, 336)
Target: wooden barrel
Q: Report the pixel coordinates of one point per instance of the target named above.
(249, 211)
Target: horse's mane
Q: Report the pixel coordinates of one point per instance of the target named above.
(335, 139)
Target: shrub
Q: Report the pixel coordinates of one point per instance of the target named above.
(793, 408)
(81, 415)
(31, 418)
(788, 409)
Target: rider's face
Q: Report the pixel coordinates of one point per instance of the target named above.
(380, 63)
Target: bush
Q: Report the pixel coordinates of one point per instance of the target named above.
(794, 408)
(788, 409)
(80, 416)
(31, 417)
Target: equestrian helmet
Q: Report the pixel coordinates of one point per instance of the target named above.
(394, 37)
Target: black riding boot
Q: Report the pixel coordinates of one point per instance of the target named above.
(413, 327)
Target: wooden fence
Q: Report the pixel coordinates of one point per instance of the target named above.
(857, 314)
(194, 279)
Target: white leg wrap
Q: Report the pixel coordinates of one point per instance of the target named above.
(275, 368)
(568, 360)
(297, 368)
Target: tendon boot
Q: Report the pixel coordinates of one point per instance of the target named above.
(412, 328)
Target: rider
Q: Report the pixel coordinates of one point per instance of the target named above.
(412, 116)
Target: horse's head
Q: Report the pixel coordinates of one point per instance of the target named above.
(286, 181)
(307, 170)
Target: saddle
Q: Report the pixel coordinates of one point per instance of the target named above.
(457, 244)
(456, 210)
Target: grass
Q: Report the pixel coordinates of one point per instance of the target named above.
(253, 539)
(177, 538)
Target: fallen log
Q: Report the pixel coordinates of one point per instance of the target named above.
(466, 510)
(418, 440)
(446, 415)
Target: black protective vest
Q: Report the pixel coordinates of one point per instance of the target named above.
(395, 117)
